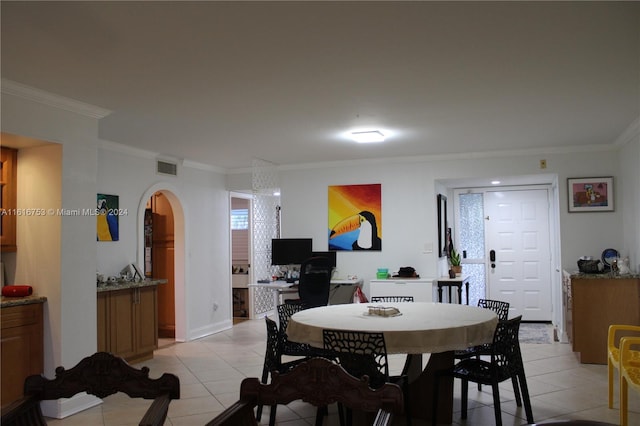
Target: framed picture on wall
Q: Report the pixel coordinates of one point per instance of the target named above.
(591, 194)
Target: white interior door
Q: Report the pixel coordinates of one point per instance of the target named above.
(518, 232)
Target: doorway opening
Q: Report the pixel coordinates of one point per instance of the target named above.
(240, 224)
(169, 264)
(159, 259)
(506, 240)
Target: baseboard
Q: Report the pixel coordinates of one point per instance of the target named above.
(209, 330)
(65, 407)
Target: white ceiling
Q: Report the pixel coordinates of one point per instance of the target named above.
(221, 83)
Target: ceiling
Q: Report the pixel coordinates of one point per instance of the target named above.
(222, 83)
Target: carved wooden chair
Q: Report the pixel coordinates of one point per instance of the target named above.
(319, 382)
(101, 374)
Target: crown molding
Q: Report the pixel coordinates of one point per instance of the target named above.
(126, 149)
(20, 90)
(451, 157)
(151, 155)
(632, 132)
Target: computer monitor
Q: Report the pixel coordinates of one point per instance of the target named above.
(331, 255)
(290, 251)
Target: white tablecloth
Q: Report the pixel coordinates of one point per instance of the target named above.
(422, 327)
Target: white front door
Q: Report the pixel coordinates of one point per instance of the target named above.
(518, 235)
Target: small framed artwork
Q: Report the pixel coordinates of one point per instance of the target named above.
(591, 194)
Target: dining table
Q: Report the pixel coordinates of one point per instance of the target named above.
(412, 328)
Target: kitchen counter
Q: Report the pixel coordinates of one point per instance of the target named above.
(122, 285)
(18, 301)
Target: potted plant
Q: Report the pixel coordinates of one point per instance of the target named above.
(454, 260)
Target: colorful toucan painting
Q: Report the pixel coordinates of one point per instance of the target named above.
(107, 218)
(355, 217)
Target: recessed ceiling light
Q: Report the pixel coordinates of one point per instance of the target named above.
(495, 182)
(368, 136)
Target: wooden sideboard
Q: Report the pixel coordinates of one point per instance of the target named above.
(21, 344)
(128, 322)
(599, 300)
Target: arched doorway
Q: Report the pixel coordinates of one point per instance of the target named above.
(159, 255)
(161, 212)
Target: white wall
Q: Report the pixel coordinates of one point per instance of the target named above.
(628, 194)
(205, 279)
(409, 220)
(70, 312)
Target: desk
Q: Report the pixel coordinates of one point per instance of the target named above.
(341, 291)
(278, 288)
(453, 282)
(435, 328)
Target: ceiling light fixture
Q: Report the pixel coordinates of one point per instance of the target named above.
(495, 182)
(368, 136)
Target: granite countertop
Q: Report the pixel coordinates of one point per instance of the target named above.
(604, 276)
(6, 302)
(122, 285)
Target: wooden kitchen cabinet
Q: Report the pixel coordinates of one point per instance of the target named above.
(22, 348)
(8, 202)
(599, 301)
(128, 322)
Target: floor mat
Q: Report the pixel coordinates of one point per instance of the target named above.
(536, 332)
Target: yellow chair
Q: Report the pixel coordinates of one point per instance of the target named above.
(629, 374)
(616, 331)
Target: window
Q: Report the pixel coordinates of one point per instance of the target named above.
(239, 219)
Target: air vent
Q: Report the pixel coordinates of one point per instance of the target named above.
(167, 168)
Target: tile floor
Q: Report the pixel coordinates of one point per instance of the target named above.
(211, 368)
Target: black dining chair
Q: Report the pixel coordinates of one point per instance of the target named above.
(502, 311)
(394, 299)
(285, 311)
(505, 363)
(391, 299)
(273, 363)
(365, 354)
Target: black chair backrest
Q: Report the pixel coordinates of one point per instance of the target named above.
(360, 353)
(500, 308)
(391, 299)
(315, 282)
(505, 348)
(272, 357)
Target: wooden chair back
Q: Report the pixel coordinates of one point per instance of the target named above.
(101, 374)
(319, 382)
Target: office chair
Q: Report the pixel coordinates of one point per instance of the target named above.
(314, 283)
